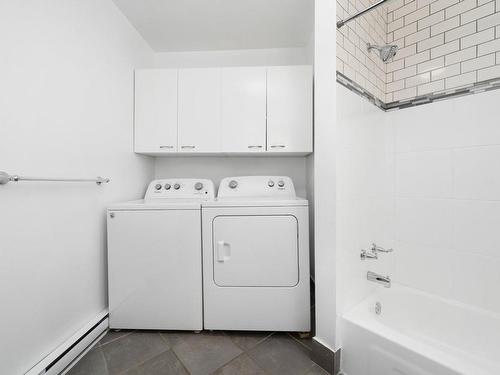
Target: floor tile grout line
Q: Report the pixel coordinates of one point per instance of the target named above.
(310, 368)
(312, 364)
(257, 344)
(234, 359)
(165, 340)
(299, 341)
(253, 359)
(234, 333)
(116, 339)
(104, 359)
(199, 333)
(228, 362)
(225, 334)
(142, 362)
(180, 361)
(139, 363)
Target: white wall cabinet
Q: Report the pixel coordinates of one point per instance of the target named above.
(155, 110)
(199, 110)
(233, 110)
(289, 109)
(243, 116)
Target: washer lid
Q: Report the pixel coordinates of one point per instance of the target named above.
(157, 204)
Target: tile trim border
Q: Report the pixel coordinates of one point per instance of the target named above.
(357, 89)
(325, 357)
(476, 88)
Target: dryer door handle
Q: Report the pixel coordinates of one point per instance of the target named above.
(223, 251)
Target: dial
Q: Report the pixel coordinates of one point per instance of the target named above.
(233, 184)
(198, 186)
(167, 186)
(177, 186)
(270, 183)
(281, 183)
(158, 186)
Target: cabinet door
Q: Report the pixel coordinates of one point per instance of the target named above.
(156, 110)
(289, 109)
(199, 110)
(243, 109)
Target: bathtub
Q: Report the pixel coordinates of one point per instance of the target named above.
(418, 334)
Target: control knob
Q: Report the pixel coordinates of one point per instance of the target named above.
(177, 186)
(281, 183)
(233, 184)
(158, 186)
(167, 186)
(198, 186)
(270, 183)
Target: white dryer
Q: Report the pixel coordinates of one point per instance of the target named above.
(154, 257)
(256, 256)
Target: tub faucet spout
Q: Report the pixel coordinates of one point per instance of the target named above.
(379, 279)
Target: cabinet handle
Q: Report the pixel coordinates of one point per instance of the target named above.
(169, 147)
(190, 147)
(278, 146)
(254, 146)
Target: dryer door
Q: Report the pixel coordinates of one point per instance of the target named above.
(255, 251)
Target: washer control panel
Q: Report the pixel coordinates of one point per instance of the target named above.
(185, 188)
(257, 186)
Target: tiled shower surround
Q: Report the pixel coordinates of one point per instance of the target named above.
(424, 181)
(444, 45)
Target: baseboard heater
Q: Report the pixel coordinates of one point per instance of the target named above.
(66, 355)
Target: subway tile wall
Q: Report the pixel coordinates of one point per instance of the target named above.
(444, 45)
(353, 59)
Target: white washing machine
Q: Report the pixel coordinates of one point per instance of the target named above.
(154, 257)
(256, 256)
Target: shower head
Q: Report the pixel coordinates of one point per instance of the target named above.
(385, 52)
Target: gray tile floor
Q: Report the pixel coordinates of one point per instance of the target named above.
(184, 353)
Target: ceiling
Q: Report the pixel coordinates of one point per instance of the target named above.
(197, 25)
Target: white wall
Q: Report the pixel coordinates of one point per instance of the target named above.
(66, 104)
(324, 172)
(216, 168)
(248, 57)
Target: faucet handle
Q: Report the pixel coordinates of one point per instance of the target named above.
(365, 254)
(378, 249)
